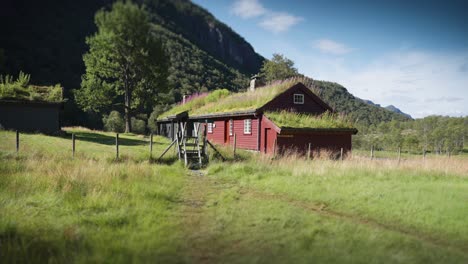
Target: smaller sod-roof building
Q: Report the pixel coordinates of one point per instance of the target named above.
(275, 118)
(31, 108)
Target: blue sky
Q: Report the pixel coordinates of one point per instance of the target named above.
(412, 54)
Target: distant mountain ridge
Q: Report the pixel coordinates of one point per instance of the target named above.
(360, 111)
(397, 110)
(388, 107)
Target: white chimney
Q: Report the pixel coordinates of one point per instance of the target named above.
(253, 79)
(183, 98)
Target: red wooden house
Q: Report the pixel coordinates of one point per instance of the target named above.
(254, 118)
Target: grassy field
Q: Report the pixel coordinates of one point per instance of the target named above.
(92, 208)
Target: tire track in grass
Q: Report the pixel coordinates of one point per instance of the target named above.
(200, 238)
(321, 209)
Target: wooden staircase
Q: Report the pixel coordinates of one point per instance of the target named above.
(191, 148)
(188, 147)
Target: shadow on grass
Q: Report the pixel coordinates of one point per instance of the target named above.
(165, 160)
(22, 248)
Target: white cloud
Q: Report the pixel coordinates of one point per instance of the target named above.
(279, 22)
(331, 47)
(248, 8)
(275, 22)
(419, 83)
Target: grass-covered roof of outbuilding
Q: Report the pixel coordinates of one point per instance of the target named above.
(285, 119)
(21, 90)
(222, 101)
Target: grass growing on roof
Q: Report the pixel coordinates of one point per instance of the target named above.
(296, 120)
(220, 102)
(20, 89)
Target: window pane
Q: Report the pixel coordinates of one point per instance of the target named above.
(247, 126)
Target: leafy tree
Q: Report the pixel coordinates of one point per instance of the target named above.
(138, 125)
(278, 68)
(113, 122)
(126, 65)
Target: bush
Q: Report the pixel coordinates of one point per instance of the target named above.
(138, 126)
(157, 110)
(113, 122)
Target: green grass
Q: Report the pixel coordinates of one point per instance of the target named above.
(251, 209)
(297, 120)
(91, 208)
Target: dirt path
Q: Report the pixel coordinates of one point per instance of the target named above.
(200, 237)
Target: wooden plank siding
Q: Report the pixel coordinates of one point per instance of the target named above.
(221, 135)
(217, 136)
(329, 141)
(269, 133)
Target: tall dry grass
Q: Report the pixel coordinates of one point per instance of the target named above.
(328, 160)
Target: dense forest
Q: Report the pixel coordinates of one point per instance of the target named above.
(436, 134)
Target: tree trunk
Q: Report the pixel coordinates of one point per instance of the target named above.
(128, 123)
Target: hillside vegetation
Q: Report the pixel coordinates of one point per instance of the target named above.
(92, 208)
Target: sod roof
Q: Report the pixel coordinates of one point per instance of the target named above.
(285, 119)
(33, 93)
(221, 101)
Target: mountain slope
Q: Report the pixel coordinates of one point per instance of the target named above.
(361, 112)
(47, 38)
(396, 110)
(209, 34)
(194, 70)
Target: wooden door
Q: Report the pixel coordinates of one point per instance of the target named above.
(265, 144)
(226, 132)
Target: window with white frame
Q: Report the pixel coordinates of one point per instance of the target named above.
(298, 99)
(210, 128)
(231, 127)
(247, 126)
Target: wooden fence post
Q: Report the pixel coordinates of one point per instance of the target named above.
(424, 154)
(308, 151)
(73, 145)
(399, 154)
(235, 144)
(372, 152)
(117, 145)
(341, 154)
(151, 145)
(17, 142)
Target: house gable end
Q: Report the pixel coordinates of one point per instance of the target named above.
(312, 104)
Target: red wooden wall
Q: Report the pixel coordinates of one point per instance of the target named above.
(323, 141)
(221, 135)
(267, 140)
